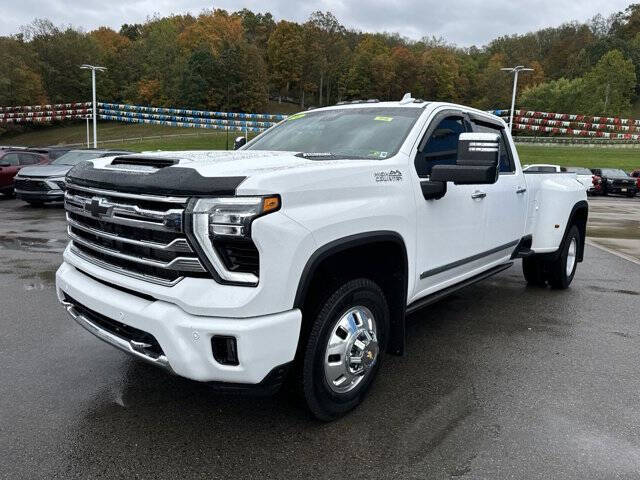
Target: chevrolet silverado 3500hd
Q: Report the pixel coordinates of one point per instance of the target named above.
(300, 254)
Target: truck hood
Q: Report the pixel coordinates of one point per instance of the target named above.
(218, 163)
(210, 172)
(43, 171)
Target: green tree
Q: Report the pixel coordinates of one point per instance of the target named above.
(611, 84)
(285, 53)
(60, 53)
(20, 84)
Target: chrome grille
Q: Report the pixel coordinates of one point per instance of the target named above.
(138, 235)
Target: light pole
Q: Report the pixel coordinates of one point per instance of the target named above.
(93, 69)
(515, 70)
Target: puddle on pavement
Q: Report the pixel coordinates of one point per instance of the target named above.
(32, 244)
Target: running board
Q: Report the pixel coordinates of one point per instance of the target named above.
(439, 295)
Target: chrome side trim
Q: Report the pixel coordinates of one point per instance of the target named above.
(122, 271)
(177, 245)
(131, 347)
(135, 196)
(185, 264)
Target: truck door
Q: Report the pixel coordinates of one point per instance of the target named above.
(450, 233)
(506, 199)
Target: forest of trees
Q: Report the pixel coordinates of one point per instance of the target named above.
(238, 61)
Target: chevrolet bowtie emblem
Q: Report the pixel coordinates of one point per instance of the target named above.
(98, 207)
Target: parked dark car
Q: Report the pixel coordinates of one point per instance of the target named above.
(613, 180)
(11, 161)
(42, 184)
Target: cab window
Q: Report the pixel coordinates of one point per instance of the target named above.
(442, 146)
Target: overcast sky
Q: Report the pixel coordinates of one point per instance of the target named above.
(464, 22)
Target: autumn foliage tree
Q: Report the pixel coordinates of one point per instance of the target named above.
(241, 60)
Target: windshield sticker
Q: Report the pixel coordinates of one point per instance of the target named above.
(384, 119)
(384, 154)
(390, 176)
(296, 116)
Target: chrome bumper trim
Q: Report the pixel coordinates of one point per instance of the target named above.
(130, 347)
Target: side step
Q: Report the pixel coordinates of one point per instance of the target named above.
(437, 296)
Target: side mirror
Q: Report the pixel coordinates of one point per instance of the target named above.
(477, 164)
(239, 142)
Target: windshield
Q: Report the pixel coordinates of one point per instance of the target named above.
(579, 170)
(72, 158)
(613, 172)
(346, 133)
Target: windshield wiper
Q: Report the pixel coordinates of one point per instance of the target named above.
(324, 155)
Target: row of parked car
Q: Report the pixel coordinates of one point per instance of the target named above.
(597, 181)
(36, 175)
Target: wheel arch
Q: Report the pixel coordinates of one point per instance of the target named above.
(578, 217)
(357, 246)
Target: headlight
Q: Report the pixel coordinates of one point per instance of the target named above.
(56, 182)
(221, 228)
(232, 217)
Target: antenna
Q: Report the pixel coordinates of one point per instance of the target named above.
(406, 99)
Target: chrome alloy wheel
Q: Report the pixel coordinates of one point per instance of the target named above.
(571, 255)
(352, 350)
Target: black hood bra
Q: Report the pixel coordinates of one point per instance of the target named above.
(175, 181)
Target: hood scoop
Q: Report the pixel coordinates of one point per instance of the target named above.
(143, 163)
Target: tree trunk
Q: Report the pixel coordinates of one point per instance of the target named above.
(320, 89)
(302, 99)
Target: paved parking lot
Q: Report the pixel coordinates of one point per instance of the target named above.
(500, 381)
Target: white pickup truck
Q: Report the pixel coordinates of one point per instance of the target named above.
(298, 256)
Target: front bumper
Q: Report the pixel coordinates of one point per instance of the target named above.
(264, 343)
(40, 196)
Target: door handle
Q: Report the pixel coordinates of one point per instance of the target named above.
(521, 190)
(478, 194)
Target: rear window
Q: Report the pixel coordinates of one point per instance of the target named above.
(541, 169)
(613, 172)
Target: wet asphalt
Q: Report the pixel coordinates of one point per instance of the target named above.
(500, 381)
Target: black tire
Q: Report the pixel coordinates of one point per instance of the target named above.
(325, 403)
(533, 270)
(35, 204)
(631, 194)
(557, 269)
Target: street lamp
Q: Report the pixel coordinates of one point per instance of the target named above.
(93, 69)
(515, 70)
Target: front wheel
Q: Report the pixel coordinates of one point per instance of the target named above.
(344, 348)
(562, 270)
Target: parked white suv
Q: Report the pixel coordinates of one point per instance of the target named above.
(300, 254)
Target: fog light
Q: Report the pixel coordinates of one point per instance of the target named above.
(225, 350)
